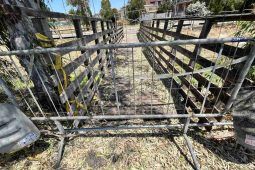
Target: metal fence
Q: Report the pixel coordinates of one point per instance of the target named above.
(121, 97)
(167, 80)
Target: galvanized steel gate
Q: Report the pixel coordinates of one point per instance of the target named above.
(98, 92)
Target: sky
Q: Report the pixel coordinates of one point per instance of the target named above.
(95, 5)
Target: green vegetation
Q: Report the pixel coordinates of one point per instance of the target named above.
(134, 9)
(247, 29)
(115, 13)
(82, 7)
(217, 6)
(197, 9)
(106, 12)
(165, 6)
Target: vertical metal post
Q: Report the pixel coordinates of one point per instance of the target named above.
(133, 68)
(114, 81)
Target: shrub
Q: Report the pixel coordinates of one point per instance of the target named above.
(197, 9)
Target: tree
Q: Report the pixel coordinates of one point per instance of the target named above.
(20, 31)
(165, 6)
(106, 11)
(134, 9)
(82, 7)
(197, 9)
(217, 6)
(115, 13)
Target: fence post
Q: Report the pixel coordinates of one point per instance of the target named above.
(94, 29)
(204, 33)
(104, 37)
(153, 23)
(165, 28)
(108, 28)
(113, 29)
(179, 29)
(158, 23)
(78, 30)
(157, 26)
(41, 25)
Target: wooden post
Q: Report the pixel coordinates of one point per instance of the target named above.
(179, 29)
(94, 29)
(113, 29)
(204, 33)
(102, 28)
(104, 37)
(153, 23)
(165, 28)
(108, 28)
(107, 52)
(157, 26)
(77, 27)
(78, 31)
(158, 23)
(41, 26)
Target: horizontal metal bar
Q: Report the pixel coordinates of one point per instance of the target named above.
(166, 76)
(128, 45)
(117, 117)
(124, 127)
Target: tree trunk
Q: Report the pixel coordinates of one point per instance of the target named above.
(22, 36)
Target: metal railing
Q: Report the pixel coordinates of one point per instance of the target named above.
(165, 76)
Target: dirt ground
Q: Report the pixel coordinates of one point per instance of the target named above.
(135, 149)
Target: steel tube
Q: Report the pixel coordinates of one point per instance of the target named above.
(191, 150)
(128, 45)
(118, 117)
(127, 127)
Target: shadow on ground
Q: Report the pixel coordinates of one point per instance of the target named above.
(37, 148)
(226, 148)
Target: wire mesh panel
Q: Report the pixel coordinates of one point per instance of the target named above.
(169, 72)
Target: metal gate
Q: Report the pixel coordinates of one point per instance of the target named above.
(167, 80)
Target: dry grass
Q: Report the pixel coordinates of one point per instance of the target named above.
(139, 149)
